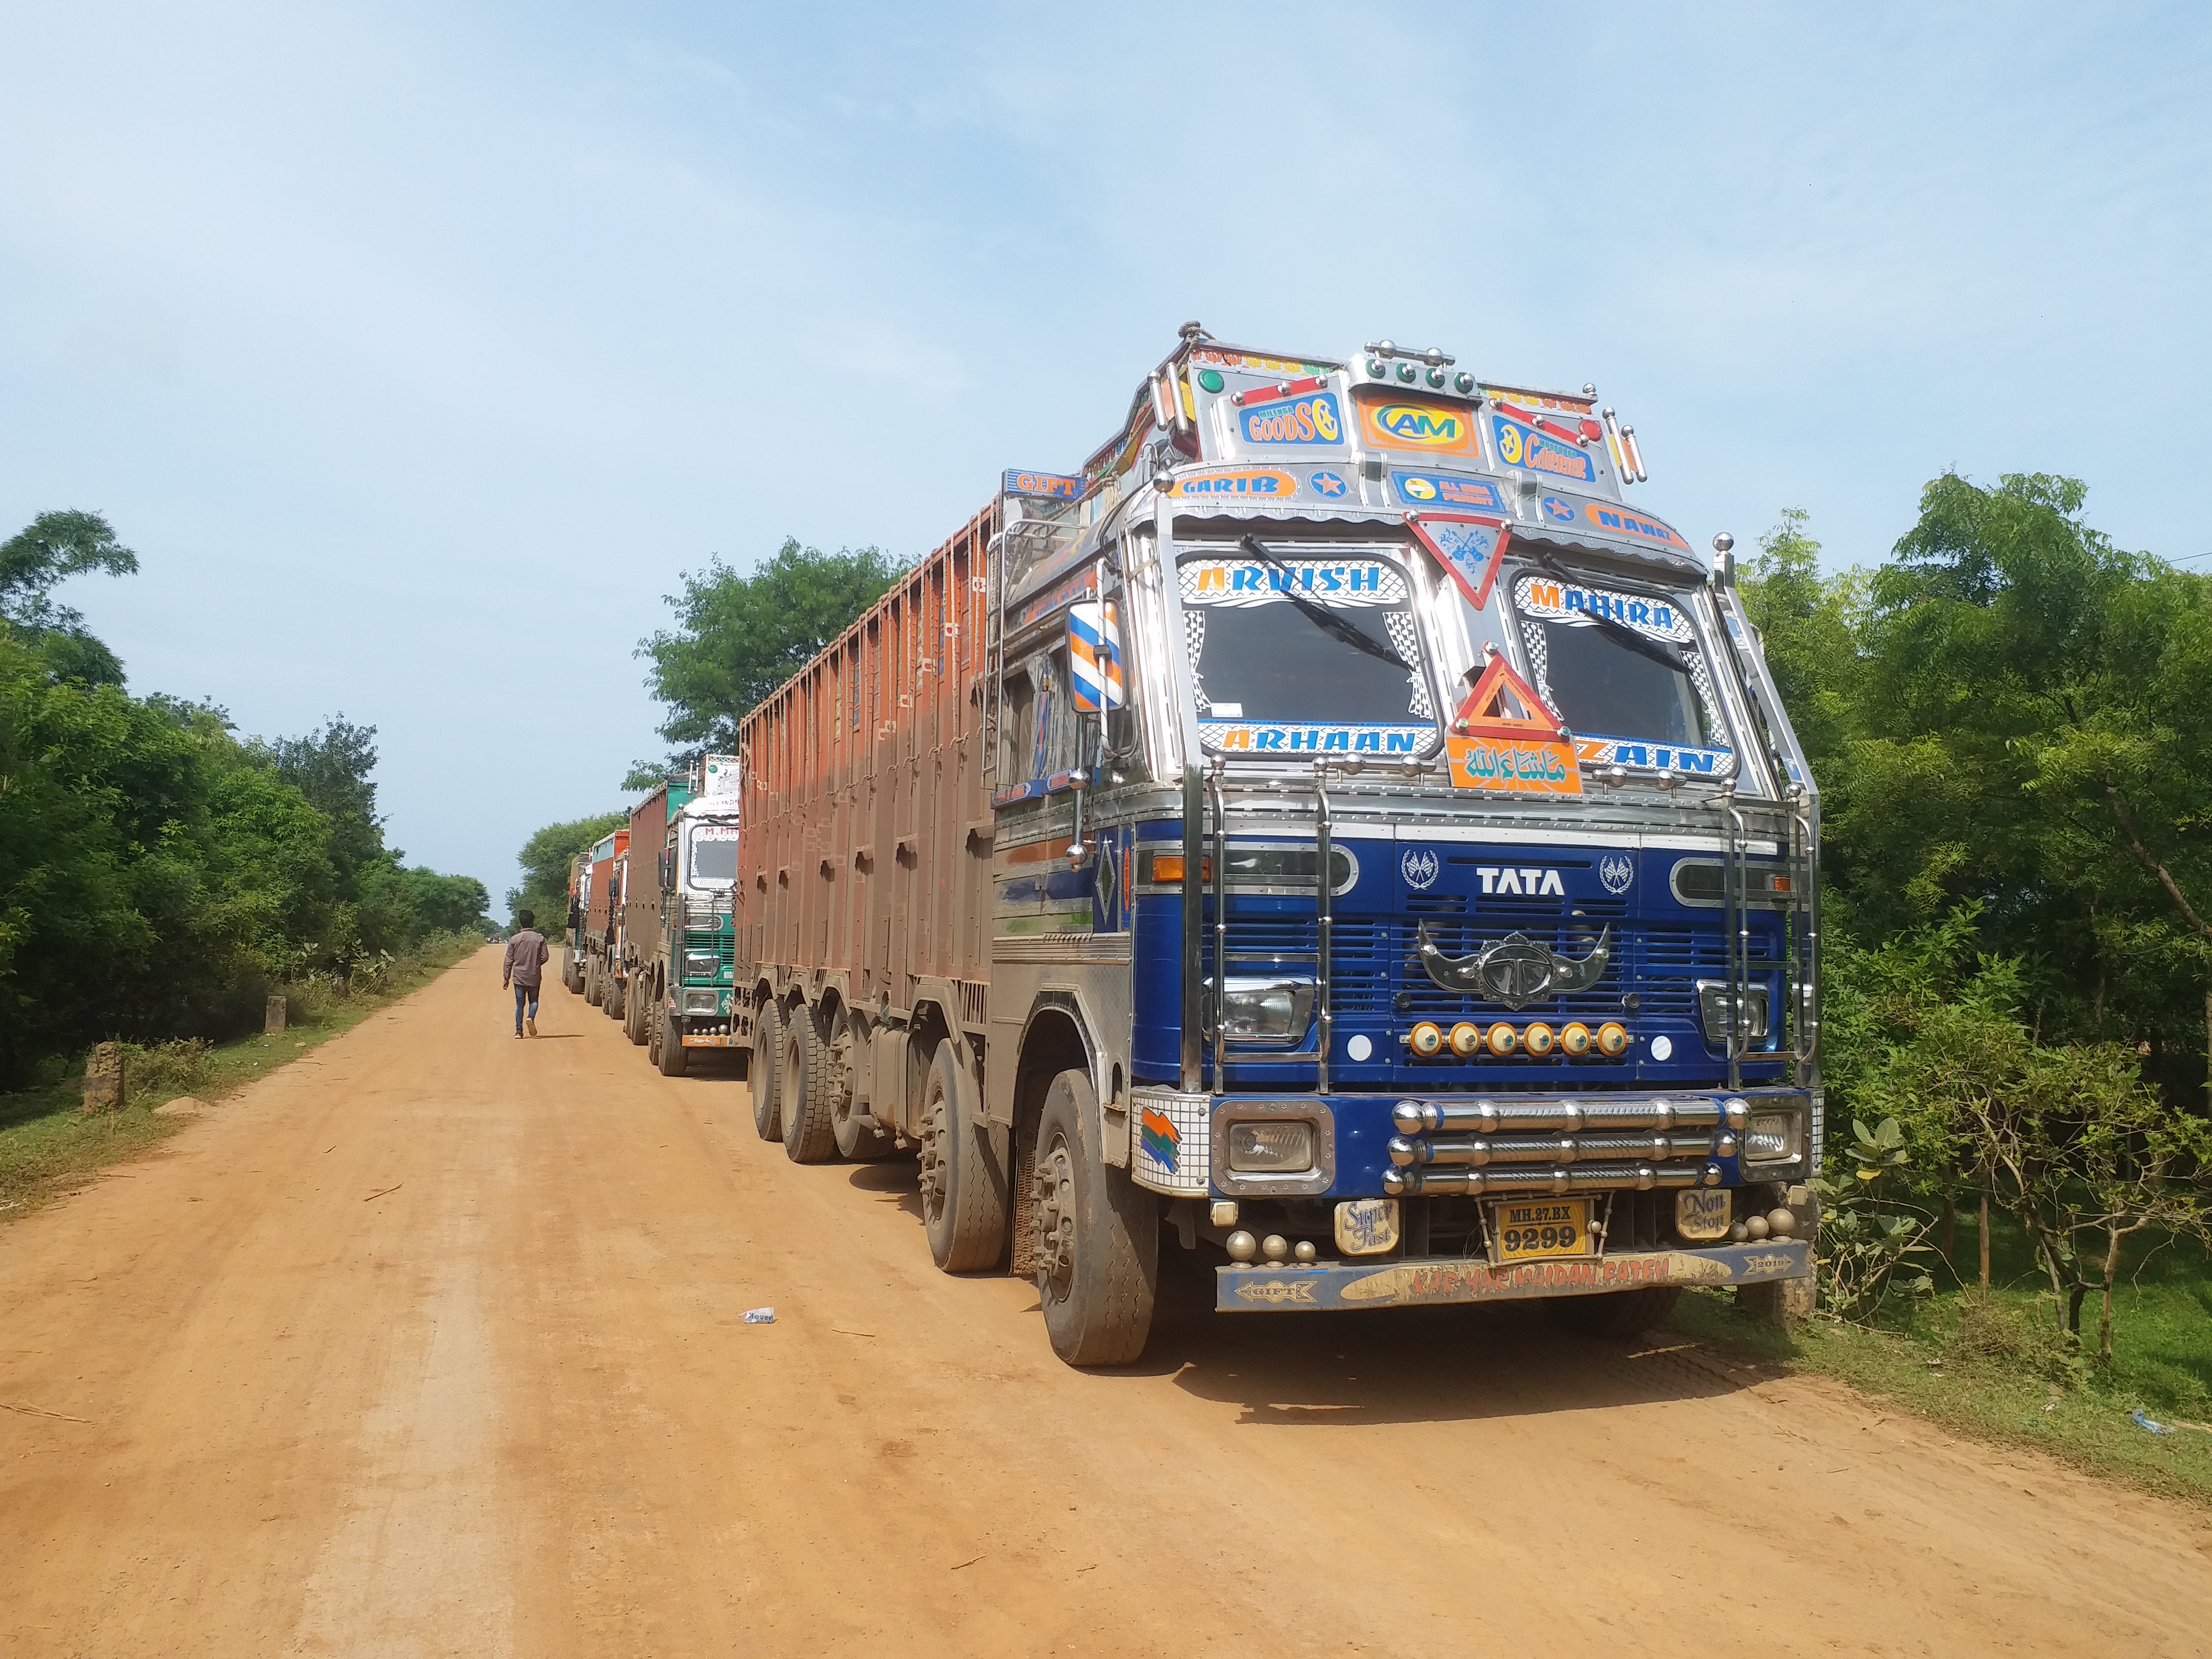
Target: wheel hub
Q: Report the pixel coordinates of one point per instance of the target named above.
(1052, 1221)
(935, 1129)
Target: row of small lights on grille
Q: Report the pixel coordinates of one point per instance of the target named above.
(1428, 1039)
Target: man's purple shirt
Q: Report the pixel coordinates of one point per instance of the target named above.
(525, 958)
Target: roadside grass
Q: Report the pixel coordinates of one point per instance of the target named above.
(1992, 1364)
(49, 1146)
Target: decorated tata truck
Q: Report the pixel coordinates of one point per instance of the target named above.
(1340, 833)
(677, 938)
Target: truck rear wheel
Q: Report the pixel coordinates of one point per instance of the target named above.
(808, 1134)
(1617, 1313)
(636, 1009)
(611, 991)
(666, 1049)
(766, 1074)
(1094, 1235)
(592, 981)
(964, 1174)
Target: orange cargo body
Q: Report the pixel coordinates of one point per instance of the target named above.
(867, 845)
(603, 883)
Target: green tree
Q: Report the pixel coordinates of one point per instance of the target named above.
(738, 638)
(50, 548)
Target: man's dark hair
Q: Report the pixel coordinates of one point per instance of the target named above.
(525, 918)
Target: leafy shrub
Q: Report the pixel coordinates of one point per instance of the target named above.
(162, 1071)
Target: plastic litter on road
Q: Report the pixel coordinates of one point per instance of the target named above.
(2136, 1416)
(760, 1316)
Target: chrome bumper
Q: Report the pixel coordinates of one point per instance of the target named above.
(1408, 1284)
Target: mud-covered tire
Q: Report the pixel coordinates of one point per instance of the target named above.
(1615, 1313)
(591, 982)
(613, 992)
(665, 1049)
(803, 1093)
(568, 970)
(767, 1075)
(637, 1011)
(1095, 1235)
(963, 1173)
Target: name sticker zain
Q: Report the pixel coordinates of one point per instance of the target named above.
(1430, 425)
(1519, 445)
(1442, 489)
(1309, 419)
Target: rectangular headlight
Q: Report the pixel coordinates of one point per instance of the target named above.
(700, 964)
(1267, 1010)
(1773, 1138)
(1713, 1011)
(702, 1002)
(1274, 1147)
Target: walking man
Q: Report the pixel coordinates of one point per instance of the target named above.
(525, 967)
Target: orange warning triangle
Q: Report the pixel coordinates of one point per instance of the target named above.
(1483, 713)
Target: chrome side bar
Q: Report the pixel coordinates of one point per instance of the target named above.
(1193, 920)
(1324, 918)
(1220, 928)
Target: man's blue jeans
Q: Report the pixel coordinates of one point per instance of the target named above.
(523, 995)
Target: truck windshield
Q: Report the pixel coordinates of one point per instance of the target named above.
(714, 856)
(1299, 651)
(1619, 664)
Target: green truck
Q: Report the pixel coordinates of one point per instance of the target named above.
(677, 941)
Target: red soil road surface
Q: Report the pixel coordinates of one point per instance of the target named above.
(510, 1407)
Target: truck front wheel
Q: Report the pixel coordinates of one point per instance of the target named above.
(667, 1050)
(1094, 1235)
(963, 1173)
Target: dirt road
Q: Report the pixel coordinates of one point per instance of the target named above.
(433, 1343)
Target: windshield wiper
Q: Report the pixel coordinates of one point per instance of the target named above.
(1643, 644)
(1321, 616)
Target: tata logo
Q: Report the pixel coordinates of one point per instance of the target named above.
(1616, 871)
(1420, 867)
(1528, 883)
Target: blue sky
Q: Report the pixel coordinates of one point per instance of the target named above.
(419, 349)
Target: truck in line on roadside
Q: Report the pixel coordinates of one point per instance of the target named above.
(1333, 829)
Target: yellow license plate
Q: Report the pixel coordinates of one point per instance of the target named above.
(1531, 1229)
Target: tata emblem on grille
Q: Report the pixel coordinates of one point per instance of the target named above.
(1419, 867)
(1616, 871)
(1517, 970)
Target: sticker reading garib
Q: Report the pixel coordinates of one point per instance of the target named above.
(1305, 656)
